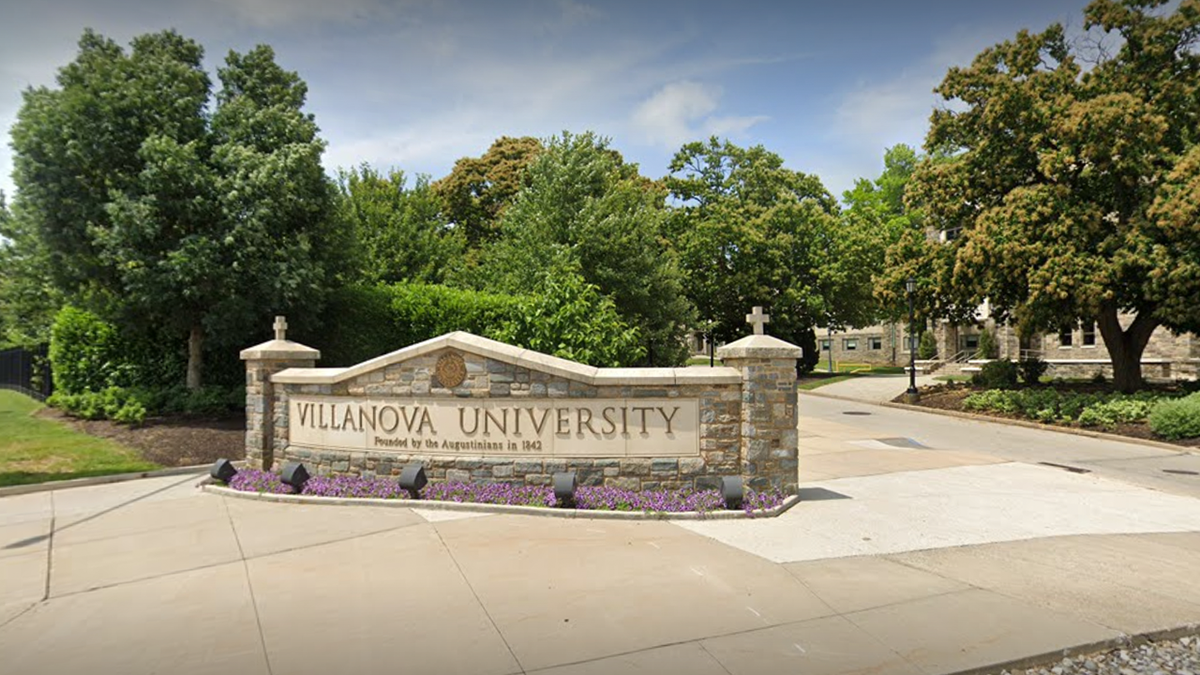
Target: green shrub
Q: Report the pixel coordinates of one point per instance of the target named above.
(86, 353)
(995, 400)
(570, 319)
(368, 321)
(1117, 410)
(987, 348)
(1001, 374)
(132, 412)
(927, 349)
(1176, 418)
(1032, 370)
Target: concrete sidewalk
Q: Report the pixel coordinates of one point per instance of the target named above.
(874, 388)
(908, 555)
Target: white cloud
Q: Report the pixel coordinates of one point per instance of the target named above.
(682, 111)
(419, 146)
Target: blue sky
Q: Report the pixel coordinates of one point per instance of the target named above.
(416, 84)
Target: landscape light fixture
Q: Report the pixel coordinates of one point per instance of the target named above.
(732, 491)
(223, 470)
(564, 489)
(910, 286)
(294, 474)
(412, 479)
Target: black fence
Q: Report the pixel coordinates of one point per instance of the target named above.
(26, 371)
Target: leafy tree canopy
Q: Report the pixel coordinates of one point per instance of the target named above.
(586, 211)
(478, 188)
(753, 232)
(400, 232)
(163, 215)
(1074, 187)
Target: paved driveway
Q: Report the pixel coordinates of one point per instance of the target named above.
(901, 559)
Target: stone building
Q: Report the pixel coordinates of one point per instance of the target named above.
(1075, 353)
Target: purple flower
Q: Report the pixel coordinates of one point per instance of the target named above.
(592, 498)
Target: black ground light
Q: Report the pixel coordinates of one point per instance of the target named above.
(223, 470)
(732, 492)
(564, 488)
(412, 479)
(294, 474)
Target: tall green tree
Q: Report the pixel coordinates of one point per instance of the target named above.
(400, 231)
(878, 218)
(588, 212)
(753, 232)
(478, 189)
(1071, 184)
(28, 296)
(164, 216)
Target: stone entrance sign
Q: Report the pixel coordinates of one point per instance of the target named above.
(566, 428)
(475, 409)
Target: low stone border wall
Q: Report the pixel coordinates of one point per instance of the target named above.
(546, 512)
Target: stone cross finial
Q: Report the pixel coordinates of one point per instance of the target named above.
(757, 319)
(280, 328)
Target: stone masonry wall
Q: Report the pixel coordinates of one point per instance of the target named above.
(261, 437)
(720, 421)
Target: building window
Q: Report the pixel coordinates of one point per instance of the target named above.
(874, 343)
(824, 345)
(970, 343)
(1088, 339)
(912, 343)
(850, 344)
(1064, 337)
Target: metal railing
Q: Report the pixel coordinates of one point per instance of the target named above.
(26, 371)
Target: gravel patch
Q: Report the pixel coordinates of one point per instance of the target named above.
(1165, 657)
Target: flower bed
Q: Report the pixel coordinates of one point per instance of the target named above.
(589, 498)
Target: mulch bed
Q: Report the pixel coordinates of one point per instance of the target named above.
(950, 396)
(169, 441)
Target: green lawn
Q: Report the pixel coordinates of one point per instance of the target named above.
(859, 369)
(953, 378)
(702, 361)
(34, 450)
(808, 386)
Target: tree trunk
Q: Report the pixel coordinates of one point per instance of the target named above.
(1125, 346)
(195, 356)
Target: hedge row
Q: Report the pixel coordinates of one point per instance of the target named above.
(99, 373)
(569, 318)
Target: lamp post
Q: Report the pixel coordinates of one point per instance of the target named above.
(910, 286)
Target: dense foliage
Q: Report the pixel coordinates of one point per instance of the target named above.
(750, 231)
(565, 318)
(999, 374)
(87, 353)
(1088, 409)
(586, 213)
(159, 211)
(102, 373)
(1177, 419)
(399, 231)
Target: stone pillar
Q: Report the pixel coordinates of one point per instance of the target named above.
(263, 361)
(768, 446)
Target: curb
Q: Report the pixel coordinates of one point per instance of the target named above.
(99, 480)
(1004, 421)
(1049, 658)
(468, 507)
